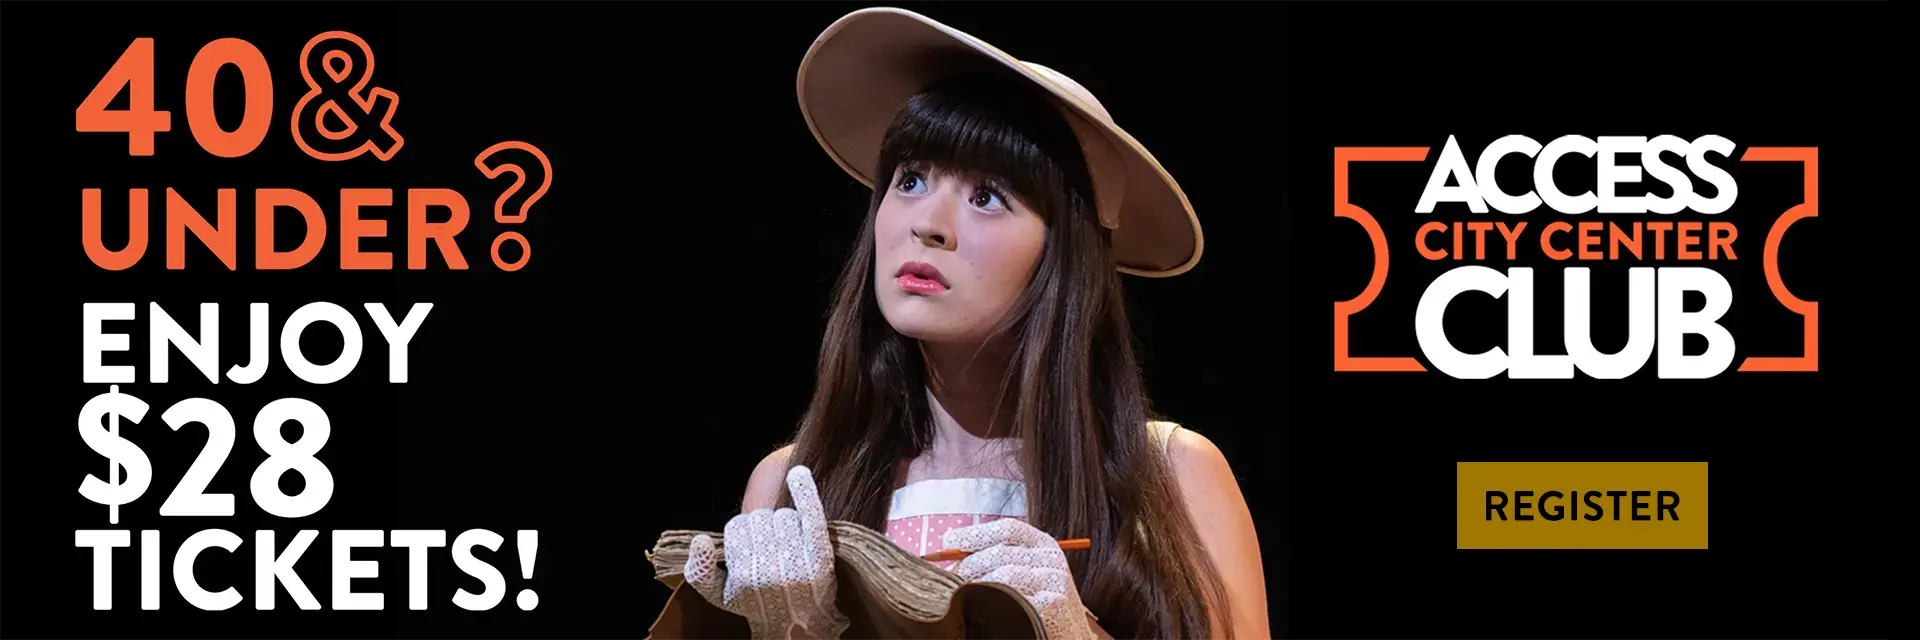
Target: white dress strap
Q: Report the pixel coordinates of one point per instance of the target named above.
(1162, 433)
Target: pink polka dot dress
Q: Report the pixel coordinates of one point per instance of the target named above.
(923, 510)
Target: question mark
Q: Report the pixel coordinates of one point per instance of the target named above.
(500, 206)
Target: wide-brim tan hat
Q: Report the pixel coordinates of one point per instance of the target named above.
(863, 68)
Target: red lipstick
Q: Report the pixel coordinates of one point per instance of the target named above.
(920, 278)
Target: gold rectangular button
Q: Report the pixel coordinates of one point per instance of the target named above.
(1581, 505)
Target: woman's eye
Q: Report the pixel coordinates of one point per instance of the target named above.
(911, 182)
(987, 200)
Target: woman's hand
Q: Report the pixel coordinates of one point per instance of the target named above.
(1017, 554)
(779, 569)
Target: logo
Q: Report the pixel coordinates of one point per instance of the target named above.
(1651, 214)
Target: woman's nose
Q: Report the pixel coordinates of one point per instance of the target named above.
(933, 237)
(935, 230)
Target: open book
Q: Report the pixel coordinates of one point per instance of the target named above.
(884, 591)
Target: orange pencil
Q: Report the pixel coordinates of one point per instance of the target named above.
(1070, 544)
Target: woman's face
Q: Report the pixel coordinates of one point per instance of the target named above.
(951, 254)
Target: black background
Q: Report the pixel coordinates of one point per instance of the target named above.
(662, 338)
(1801, 464)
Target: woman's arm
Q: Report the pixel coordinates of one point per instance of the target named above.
(1225, 528)
(763, 487)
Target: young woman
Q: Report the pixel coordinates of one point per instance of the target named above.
(977, 385)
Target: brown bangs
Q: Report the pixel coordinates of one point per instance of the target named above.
(992, 129)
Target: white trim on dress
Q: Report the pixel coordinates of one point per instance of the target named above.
(983, 496)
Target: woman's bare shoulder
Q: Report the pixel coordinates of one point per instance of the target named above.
(1200, 469)
(1196, 460)
(1213, 496)
(768, 480)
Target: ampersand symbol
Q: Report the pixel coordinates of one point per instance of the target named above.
(335, 119)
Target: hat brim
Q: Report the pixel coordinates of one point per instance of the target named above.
(864, 67)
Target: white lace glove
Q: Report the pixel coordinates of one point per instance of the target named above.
(1017, 554)
(779, 569)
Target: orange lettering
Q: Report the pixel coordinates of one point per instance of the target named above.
(257, 81)
(1479, 229)
(1659, 230)
(1620, 239)
(264, 202)
(419, 230)
(219, 237)
(1546, 240)
(1721, 239)
(1420, 240)
(1690, 238)
(134, 71)
(352, 228)
(136, 230)
(1589, 240)
(1512, 236)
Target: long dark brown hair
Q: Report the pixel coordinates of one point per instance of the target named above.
(1071, 385)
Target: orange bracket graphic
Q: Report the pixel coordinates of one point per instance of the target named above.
(1342, 156)
(1809, 159)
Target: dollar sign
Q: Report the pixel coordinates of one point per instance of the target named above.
(105, 439)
